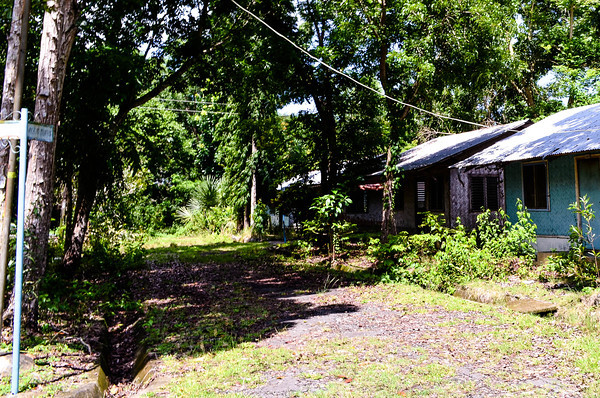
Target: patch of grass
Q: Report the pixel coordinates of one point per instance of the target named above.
(49, 374)
(573, 304)
(169, 240)
(191, 251)
(589, 363)
(211, 374)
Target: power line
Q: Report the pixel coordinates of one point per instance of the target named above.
(339, 72)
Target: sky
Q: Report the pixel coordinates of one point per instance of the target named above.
(294, 109)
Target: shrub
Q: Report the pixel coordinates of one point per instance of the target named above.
(441, 258)
(438, 259)
(205, 211)
(109, 248)
(581, 262)
(327, 221)
(506, 240)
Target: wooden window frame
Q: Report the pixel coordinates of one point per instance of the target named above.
(546, 181)
(486, 200)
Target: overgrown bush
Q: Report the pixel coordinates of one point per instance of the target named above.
(110, 249)
(442, 258)
(261, 219)
(327, 221)
(580, 263)
(438, 259)
(205, 211)
(506, 240)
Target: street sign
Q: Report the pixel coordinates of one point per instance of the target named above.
(40, 132)
(21, 130)
(11, 129)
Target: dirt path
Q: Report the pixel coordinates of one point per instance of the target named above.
(458, 340)
(362, 341)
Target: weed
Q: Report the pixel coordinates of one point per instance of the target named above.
(327, 221)
(580, 264)
(441, 258)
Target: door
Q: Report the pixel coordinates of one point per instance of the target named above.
(588, 171)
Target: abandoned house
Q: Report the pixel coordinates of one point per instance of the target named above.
(429, 184)
(549, 165)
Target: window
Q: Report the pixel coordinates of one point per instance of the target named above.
(484, 193)
(359, 202)
(535, 185)
(421, 195)
(436, 194)
(430, 194)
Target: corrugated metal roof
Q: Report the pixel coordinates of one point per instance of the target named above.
(445, 147)
(569, 131)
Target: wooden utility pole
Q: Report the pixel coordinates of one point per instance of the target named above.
(12, 92)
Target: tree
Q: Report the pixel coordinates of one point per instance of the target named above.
(58, 36)
(112, 38)
(428, 54)
(12, 93)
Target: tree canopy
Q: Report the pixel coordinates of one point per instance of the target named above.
(158, 94)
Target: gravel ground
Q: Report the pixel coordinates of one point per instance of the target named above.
(482, 355)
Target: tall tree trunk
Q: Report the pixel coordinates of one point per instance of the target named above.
(12, 91)
(388, 221)
(253, 188)
(328, 143)
(86, 195)
(246, 217)
(58, 36)
(69, 216)
(66, 204)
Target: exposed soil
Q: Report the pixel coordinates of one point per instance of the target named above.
(190, 292)
(298, 312)
(193, 306)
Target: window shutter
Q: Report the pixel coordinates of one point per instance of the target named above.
(492, 193)
(420, 194)
(477, 193)
(535, 189)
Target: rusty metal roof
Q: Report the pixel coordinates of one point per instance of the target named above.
(570, 131)
(446, 147)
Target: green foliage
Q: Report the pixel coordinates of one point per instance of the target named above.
(216, 220)
(112, 249)
(581, 262)
(205, 197)
(327, 221)
(261, 219)
(439, 259)
(442, 258)
(205, 211)
(506, 240)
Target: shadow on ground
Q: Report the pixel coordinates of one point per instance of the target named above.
(232, 294)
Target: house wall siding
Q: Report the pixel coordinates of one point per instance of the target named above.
(561, 181)
(372, 218)
(460, 192)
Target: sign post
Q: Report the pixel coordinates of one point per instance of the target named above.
(22, 131)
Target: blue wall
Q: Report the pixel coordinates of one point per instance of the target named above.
(561, 177)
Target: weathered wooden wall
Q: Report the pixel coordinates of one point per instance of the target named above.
(460, 193)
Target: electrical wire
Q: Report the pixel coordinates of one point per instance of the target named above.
(339, 72)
